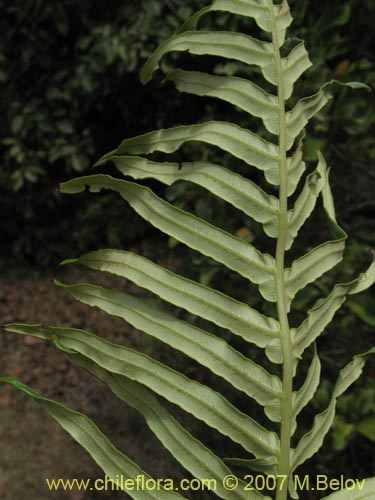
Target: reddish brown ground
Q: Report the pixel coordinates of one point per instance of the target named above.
(32, 445)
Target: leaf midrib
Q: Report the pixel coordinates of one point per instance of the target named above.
(203, 347)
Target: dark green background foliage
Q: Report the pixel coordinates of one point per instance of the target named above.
(70, 91)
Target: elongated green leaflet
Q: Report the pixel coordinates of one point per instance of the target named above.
(313, 265)
(198, 299)
(189, 229)
(308, 107)
(324, 310)
(323, 257)
(191, 453)
(114, 463)
(237, 141)
(237, 91)
(229, 186)
(252, 99)
(201, 401)
(306, 201)
(278, 153)
(296, 167)
(294, 65)
(363, 490)
(320, 316)
(299, 116)
(257, 9)
(310, 443)
(237, 46)
(307, 391)
(203, 347)
(266, 465)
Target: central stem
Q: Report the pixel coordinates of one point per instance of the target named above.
(281, 298)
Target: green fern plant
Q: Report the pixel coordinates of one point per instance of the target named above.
(135, 377)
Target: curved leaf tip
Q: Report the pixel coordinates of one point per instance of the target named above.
(57, 342)
(20, 386)
(68, 188)
(67, 261)
(357, 86)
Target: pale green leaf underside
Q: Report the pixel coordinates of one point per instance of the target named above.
(191, 453)
(205, 348)
(196, 298)
(113, 463)
(306, 108)
(231, 138)
(329, 207)
(237, 91)
(299, 116)
(252, 99)
(229, 186)
(308, 388)
(306, 201)
(195, 398)
(310, 443)
(231, 251)
(266, 465)
(129, 373)
(294, 65)
(323, 257)
(257, 9)
(313, 265)
(323, 312)
(235, 46)
(364, 490)
(296, 167)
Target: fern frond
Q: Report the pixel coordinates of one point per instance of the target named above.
(189, 451)
(203, 347)
(134, 377)
(237, 141)
(195, 398)
(198, 299)
(229, 186)
(319, 317)
(310, 443)
(231, 251)
(114, 463)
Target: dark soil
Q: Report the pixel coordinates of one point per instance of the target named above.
(33, 446)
